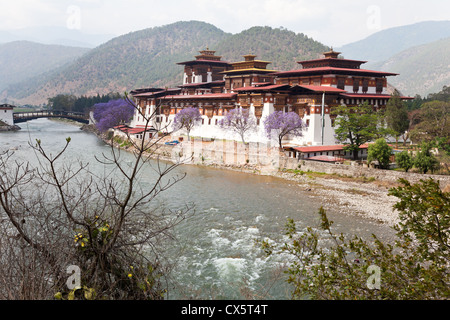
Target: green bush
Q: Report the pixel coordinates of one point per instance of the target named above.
(414, 267)
(381, 152)
(404, 160)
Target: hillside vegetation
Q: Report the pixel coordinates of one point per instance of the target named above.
(280, 46)
(384, 44)
(142, 58)
(20, 60)
(148, 58)
(422, 69)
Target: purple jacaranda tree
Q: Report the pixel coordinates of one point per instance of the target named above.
(112, 113)
(279, 124)
(238, 121)
(187, 119)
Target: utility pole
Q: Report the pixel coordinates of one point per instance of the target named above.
(323, 115)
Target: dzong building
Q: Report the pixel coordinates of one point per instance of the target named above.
(215, 86)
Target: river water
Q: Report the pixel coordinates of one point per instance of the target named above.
(215, 250)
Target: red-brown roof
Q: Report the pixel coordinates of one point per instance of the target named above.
(370, 96)
(6, 107)
(157, 93)
(321, 88)
(203, 84)
(333, 70)
(287, 87)
(327, 159)
(129, 130)
(202, 96)
(204, 61)
(336, 147)
(264, 88)
(331, 59)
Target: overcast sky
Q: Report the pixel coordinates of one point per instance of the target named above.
(332, 22)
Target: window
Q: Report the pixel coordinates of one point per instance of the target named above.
(355, 85)
(379, 86)
(341, 83)
(365, 85)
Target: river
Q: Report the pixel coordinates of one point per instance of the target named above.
(215, 253)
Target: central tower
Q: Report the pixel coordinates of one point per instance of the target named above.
(206, 67)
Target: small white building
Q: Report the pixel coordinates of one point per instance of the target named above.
(6, 114)
(328, 153)
(135, 133)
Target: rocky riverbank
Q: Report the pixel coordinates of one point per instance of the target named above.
(365, 197)
(9, 128)
(368, 199)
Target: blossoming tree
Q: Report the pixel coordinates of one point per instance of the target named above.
(238, 121)
(279, 124)
(112, 113)
(187, 119)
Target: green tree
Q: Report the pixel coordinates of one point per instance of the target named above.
(380, 151)
(413, 267)
(443, 95)
(415, 103)
(425, 160)
(396, 116)
(404, 160)
(63, 102)
(424, 211)
(432, 121)
(443, 144)
(355, 126)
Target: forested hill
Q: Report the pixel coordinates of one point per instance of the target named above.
(384, 44)
(141, 58)
(422, 69)
(148, 58)
(280, 46)
(20, 60)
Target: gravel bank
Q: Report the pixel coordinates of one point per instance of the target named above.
(350, 196)
(366, 199)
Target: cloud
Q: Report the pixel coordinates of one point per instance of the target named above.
(27, 13)
(333, 22)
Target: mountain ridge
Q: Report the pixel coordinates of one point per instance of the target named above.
(20, 60)
(384, 44)
(430, 70)
(148, 58)
(54, 35)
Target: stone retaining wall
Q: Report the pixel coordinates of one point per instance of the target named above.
(360, 171)
(267, 159)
